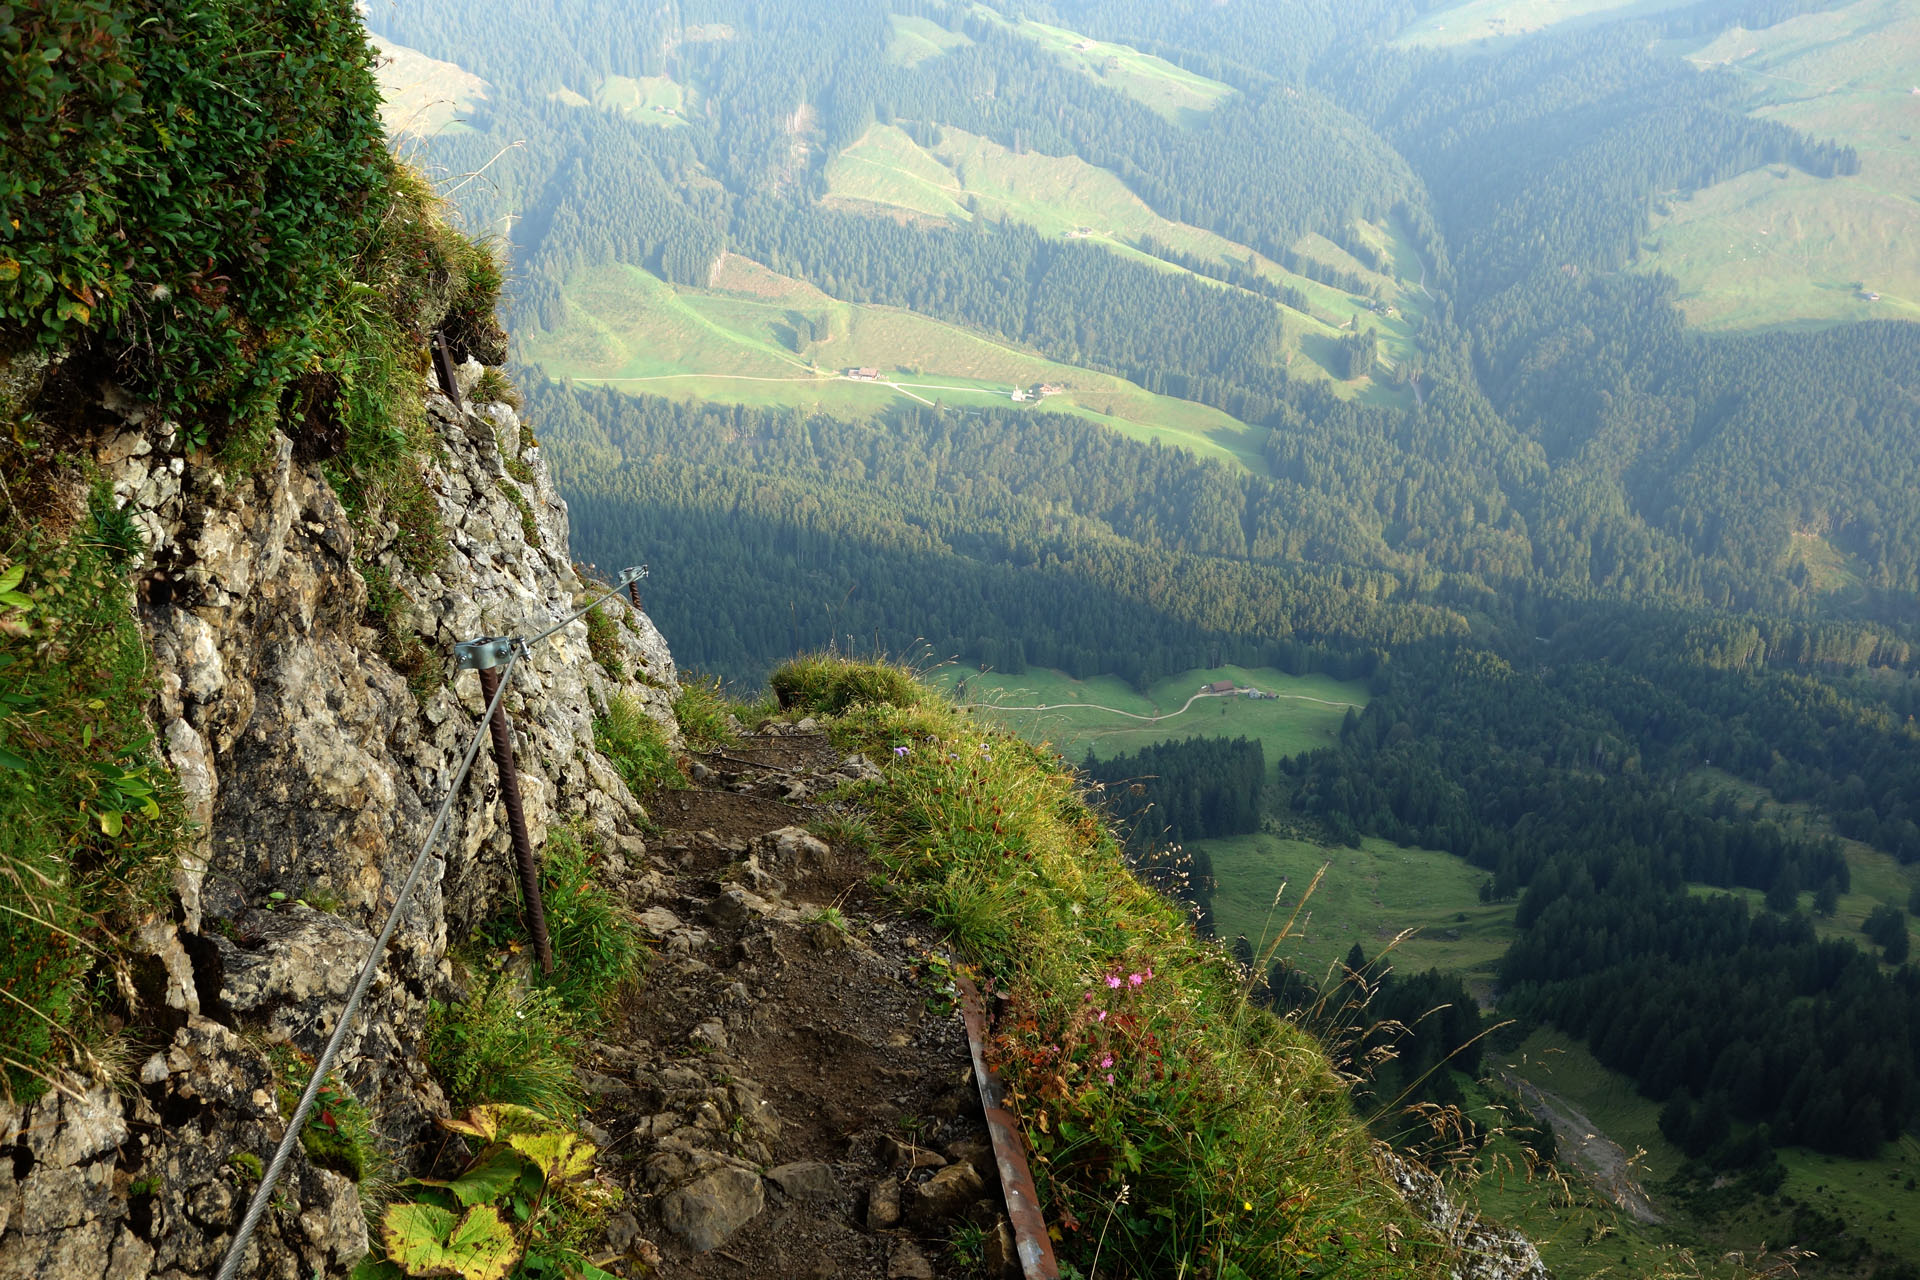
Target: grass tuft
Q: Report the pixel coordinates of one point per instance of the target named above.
(637, 747)
(596, 947)
(93, 818)
(703, 711)
(400, 645)
(507, 1042)
(824, 683)
(603, 642)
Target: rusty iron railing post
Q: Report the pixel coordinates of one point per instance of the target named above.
(443, 370)
(1031, 1242)
(484, 658)
(633, 585)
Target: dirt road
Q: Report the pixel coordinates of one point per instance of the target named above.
(1094, 706)
(1601, 1156)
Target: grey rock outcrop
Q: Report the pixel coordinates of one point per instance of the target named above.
(312, 771)
(1481, 1250)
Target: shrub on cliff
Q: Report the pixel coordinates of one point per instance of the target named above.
(200, 205)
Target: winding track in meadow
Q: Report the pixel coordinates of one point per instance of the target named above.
(1094, 706)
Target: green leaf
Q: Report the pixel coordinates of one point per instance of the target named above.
(488, 1180)
(11, 578)
(110, 823)
(561, 1156)
(426, 1241)
(8, 760)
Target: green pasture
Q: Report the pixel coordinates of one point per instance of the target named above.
(647, 99)
(1173, 92)
(964, 175)
(1501, 21)
(1776, 248)
(1369, 895)
(917, 39)
(775, 341)
(423, 97)
(1092, 714)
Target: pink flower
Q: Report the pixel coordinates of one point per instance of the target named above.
(1135, 979)
(1106, 1061)
(1109, 1077)
(1102, 1016)
(1113, 980)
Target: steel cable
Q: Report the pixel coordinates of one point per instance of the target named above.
(262, 1196)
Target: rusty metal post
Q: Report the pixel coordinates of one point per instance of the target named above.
(484, 657)
(1031, 1241)
(443, 370)
(633, 576)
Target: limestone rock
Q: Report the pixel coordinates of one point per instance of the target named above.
(312, 770)
(945, 1195)
(883, 1205)
(1481, 1250)
(704, 1213)
(806, 1180)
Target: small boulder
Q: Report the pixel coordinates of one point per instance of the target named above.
(883, 1205)
(945, 1195)
(806, 1180)
(658, 921)
(1002, 1255)
(704, 1213)
(976, 1151)
(734, 907)
(906, 1155)
(908, 1263)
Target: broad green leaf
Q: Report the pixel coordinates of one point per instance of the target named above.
(561, 1156)
(8, 760)
(427, 1241)
(488, 1180)
(11, 578)
(110, 823)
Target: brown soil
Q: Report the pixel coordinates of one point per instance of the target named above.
(840, 1024)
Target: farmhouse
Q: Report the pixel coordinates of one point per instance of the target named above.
(1220, 686)
(866, 373)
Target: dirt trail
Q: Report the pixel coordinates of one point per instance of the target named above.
(1604, 1158)
(790, 1094)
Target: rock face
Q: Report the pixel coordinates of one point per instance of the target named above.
(313, 772)
(1483, 1250)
